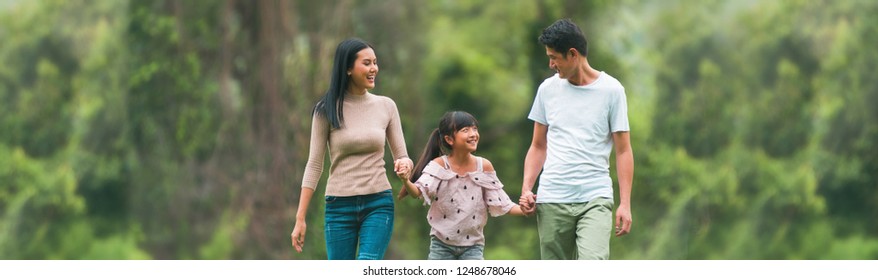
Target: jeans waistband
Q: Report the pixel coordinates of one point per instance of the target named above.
(364, 196)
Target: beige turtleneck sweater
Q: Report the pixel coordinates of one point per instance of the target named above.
(356, 150)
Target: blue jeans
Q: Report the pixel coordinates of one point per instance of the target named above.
(442, 251)
(362, 222)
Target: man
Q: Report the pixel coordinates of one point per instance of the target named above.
(580, 115)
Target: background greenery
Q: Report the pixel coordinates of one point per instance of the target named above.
(179, 129)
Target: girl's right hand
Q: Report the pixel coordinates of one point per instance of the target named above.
(404, 176)
(403, 168)
(403, 192)
(298, 236)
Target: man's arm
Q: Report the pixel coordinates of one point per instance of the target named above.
(533, 163)
(625, 172)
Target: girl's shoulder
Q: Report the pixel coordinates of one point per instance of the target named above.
(438, 160)
(436, 168)
(487, 177)
(486, 165)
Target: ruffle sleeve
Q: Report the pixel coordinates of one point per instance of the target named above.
(430, 180)
(497, 200)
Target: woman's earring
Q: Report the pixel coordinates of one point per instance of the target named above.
(349, 73)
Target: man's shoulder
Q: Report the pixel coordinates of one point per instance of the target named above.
(553, 80)
(610, 81)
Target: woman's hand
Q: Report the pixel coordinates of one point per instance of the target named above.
(403, 168)
(298, 235)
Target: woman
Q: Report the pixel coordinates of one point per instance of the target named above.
(354, 124)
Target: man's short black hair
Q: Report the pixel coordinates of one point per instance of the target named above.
(563, 35)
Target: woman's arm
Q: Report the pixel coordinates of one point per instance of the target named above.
(313, 171)
(402, 163)
(298, 235)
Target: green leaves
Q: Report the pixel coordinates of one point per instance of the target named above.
(134, 129)
(753, 158)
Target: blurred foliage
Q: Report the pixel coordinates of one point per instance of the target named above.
(179, 129)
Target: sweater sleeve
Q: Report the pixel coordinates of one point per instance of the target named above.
(317, 151)
(394, 133)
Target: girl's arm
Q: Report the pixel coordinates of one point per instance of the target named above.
(413, 190)
(409, 188)
(516, 210)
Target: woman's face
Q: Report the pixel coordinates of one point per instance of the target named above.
(364, 71)
(466, 138)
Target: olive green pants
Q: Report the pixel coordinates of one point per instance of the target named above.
(570, 231)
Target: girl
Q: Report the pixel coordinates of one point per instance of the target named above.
(355, 125)
(460, 189)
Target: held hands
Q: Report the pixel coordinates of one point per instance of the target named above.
(403, 168)
(527, 202)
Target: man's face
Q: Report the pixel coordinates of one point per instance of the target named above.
(563, 65)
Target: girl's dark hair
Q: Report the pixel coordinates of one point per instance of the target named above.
(331, 104)
(450, 123)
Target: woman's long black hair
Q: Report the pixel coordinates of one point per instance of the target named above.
(449, 124)
(331, 105)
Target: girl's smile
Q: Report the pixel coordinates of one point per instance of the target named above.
(466, 138)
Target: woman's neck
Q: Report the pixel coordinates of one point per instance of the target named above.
(356, 90)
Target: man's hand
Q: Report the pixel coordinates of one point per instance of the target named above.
(527, 202)
(623, 220)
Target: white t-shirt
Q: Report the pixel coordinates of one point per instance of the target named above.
(580, 122)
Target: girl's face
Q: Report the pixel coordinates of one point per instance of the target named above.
(364, 71)
(465, 139)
